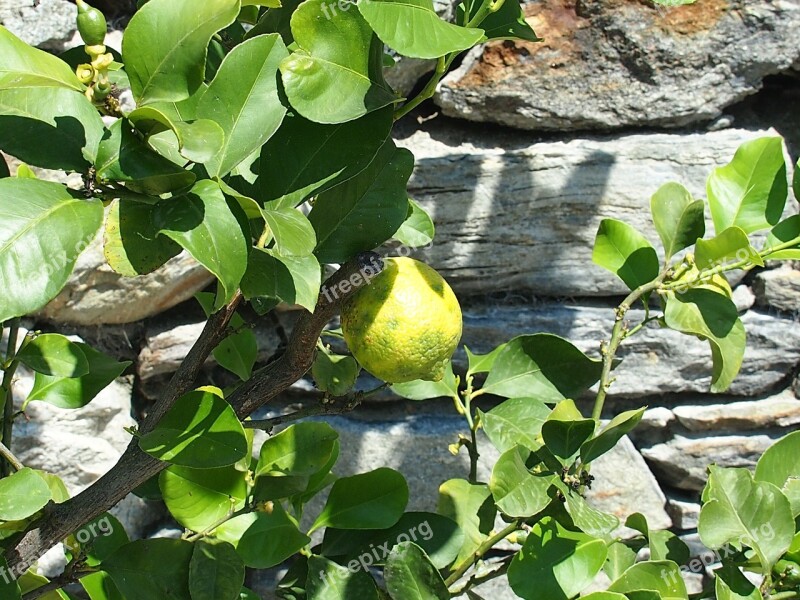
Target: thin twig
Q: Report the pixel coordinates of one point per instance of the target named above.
(8, 393)
(9, 456)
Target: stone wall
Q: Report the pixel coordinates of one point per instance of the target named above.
(526, 148)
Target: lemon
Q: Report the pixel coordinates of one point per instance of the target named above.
(405, 324)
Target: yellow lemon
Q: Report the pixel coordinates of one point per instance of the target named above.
(405, 324)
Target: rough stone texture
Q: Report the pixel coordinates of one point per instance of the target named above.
(782, 410)
(512, 213)
(682, 462)
(614, 63)
(779, 288)
(81, 445)
(743, 298)
(46, 23)
(96, 295)
(685, 514)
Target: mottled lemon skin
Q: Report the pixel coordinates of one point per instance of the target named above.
(405, 325)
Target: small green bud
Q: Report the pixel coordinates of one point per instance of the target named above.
(91, 24)
(85, 73)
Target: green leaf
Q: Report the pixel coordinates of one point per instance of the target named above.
(22, 66)
(410, 575)
(198, 141)
(132, 245)
(731, 244)
(324, 156)
(294, 280)
(784, 232)
(372, 500)
(679, 219)
(606, 439)
(54, 354)
(365, 211)
(43, 229)
(105, 536)
(64, 118)
(331, 77)
(294, 234)
(585, 517)
(200, 431)
(165, 45)
(622, 250)
(780, 465)
(238, 351)
(742, 512)
(471, 506)
(100, 586)
(750, 191)
(22, 494)
(564, 437)
(447, 387)
(796, 181)
(731, 584)
(714, 317)
(329, 581)
(620, 558)
(148, 569)
(243, 99)
(334, 373)
(508, 23)
(542, 366)
(200, 498)
(418, 228)
(203, 224)
(438, 536)
(555, 563)
(515, 421)
(215, 572)
(664, 545)
(123, 157)
(300, 450)
(662, 577)
(68, 392)
(262, 539)
(518, 492)
(482, 363)
(412, 28)
(605, 595)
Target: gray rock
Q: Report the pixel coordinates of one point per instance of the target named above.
(96, 295)
(779, 288)
(743, 297)
(685, 514)
(612, 64)
(682, 462)
(513, 213)
(782, 410)
(45, 23)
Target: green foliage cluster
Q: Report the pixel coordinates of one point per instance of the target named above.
(244, 112)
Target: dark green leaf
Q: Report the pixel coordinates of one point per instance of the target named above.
(731, 584)
(372, 500)
(299, 450)
(199, 498)
(565, 437)
(123, 157)
(508, 23)
(366, 210)
(785, 232)
(412, 28)
(482, 363)
(323, 156)
(54, 354)
(78, 392)
(69, 127)
(714, 317)
(542, 366)
(203, 224)
(331, 77)
(276, 20)
(515, 421)
(625, 252)
(243, 100)
(334, 373)
(43, 230)
(100, 586)
(164, 51)
(216, 572)
(328, 581)
(410, 575)
(148, 569)
(294, 280)
(201, 431)
(24, 66)
(22, 494)
(98, 539)
(263, 539)
(679, 219)
(4, 172)
(418, 228)
(555, 563)
(606, 439)
(751, 190)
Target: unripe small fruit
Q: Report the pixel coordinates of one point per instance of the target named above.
(91, 24)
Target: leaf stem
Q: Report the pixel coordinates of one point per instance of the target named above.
(9, 456)
(487, 545)
(427, 92)
(472, 447)
(6, 393)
